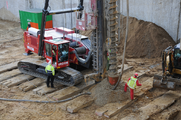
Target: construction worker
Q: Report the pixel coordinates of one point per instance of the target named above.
(50, 72)
(132, 83)
(107, 66)
(64, 54)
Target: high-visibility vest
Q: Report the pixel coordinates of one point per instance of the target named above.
(132, 83)
(50, 69)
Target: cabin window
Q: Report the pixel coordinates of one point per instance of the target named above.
(48, 49)
(177, 58)
(63, 51)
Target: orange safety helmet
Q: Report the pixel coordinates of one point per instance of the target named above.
(136, 74)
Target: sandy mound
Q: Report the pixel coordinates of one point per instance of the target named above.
(103, 94)
(145, 39)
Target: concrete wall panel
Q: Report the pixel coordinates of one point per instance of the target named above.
(164, 13)
(161, 12)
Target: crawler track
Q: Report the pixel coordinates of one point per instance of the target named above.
(35, 67)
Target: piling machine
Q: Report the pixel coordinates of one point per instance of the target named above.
(63, 46)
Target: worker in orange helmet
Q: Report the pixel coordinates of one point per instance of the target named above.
(132, 83)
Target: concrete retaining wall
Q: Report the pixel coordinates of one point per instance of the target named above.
(164, 13)
(9, 10)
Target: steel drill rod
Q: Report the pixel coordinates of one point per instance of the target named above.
(124, 52)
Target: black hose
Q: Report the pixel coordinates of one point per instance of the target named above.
(80, 50)
(86, 60)
(19, 100)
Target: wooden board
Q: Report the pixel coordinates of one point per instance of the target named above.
(169, 113)
(16, 80)
(141, 73)
(42, 90)
(112, 109)
(118, 108)
(9, 74)
(155, 106)
(126, 68)
(159, 104)
(7, 67)
(86, 85)
(31, 84)
(147, 85)
(64, 93)
(70, 91)
(78, 103)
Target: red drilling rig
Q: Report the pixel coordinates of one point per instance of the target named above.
(63, 46)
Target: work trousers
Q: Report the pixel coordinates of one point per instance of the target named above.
(50, 76)
(131, 91)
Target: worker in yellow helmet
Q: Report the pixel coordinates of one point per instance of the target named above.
(50, 70)
(132, 82)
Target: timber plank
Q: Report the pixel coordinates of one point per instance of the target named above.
(45, 90)
(100, 111)
(64, 93)
(141, 73)
(126, 68)
(112, 109)
(9, 74)
(78, 103)
(16, 80)
(159, 104)
(65, 105)
(37, 89)
(155, 106)
(86, 85)
(9, 66)
(146, 85)
(76, 107)
(169, 113)
(70, 91)
(131, 117)
(31, 84)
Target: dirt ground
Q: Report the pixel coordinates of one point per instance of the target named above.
(12, 49)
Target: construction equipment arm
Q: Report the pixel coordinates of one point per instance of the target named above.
(40, 51)
(46, 12)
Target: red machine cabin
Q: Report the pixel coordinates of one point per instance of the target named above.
(59, 46)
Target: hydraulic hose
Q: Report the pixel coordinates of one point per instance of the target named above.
(124, 52)
(71, 98)
(86, 60)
